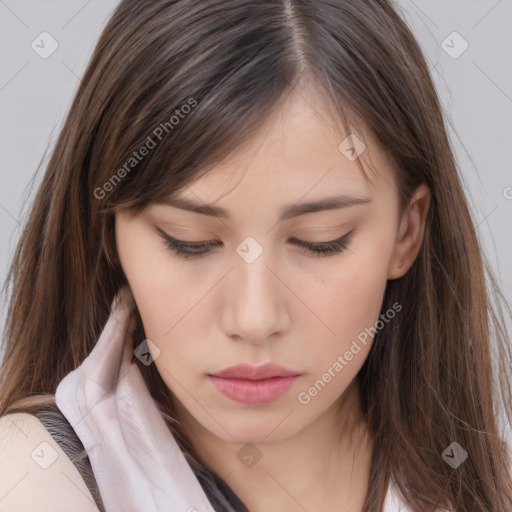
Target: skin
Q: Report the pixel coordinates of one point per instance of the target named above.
(288, 306)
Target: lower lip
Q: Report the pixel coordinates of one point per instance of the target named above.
(253, 391)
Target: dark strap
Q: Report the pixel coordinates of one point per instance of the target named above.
(220, 495)
(213, 486)
(65, 436)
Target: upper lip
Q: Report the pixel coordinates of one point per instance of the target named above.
(250, 372)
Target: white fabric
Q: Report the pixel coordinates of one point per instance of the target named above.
(137, 463)
(393, 503)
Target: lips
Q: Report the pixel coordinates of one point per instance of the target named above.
(249, 384)
(249, 372)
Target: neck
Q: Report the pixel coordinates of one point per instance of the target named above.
(324, 466)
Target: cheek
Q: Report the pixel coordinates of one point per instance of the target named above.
(349, 305)
(175, 322)
(348, 302)
(351, 298)
(151, 274)
(358, 298)
(165, 290)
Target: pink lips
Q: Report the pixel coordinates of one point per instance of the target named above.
(249, 384)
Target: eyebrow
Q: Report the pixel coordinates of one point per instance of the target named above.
(286, 212)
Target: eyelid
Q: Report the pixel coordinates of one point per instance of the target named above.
(294, 239)
(324, 242)
(200, 241)
(184, 230)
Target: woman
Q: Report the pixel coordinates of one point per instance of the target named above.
(273, 183)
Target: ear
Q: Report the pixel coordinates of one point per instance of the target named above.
(410, 233)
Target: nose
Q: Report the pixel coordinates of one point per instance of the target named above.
(258, 305)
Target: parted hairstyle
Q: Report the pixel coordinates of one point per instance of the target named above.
(195, 80)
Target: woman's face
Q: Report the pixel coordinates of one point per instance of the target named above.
(258, 296)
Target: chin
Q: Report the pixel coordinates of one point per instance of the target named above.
(251, 429)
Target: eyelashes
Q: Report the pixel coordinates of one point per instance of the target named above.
(190, 250)
(330, 248)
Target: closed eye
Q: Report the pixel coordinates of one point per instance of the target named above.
(190, 250)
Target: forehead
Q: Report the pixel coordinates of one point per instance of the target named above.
(299, 152)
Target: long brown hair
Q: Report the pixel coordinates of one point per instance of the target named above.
(429, 380)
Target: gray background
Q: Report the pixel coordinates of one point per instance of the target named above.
(475, 88)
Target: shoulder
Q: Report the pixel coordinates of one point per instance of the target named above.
(35, 473)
